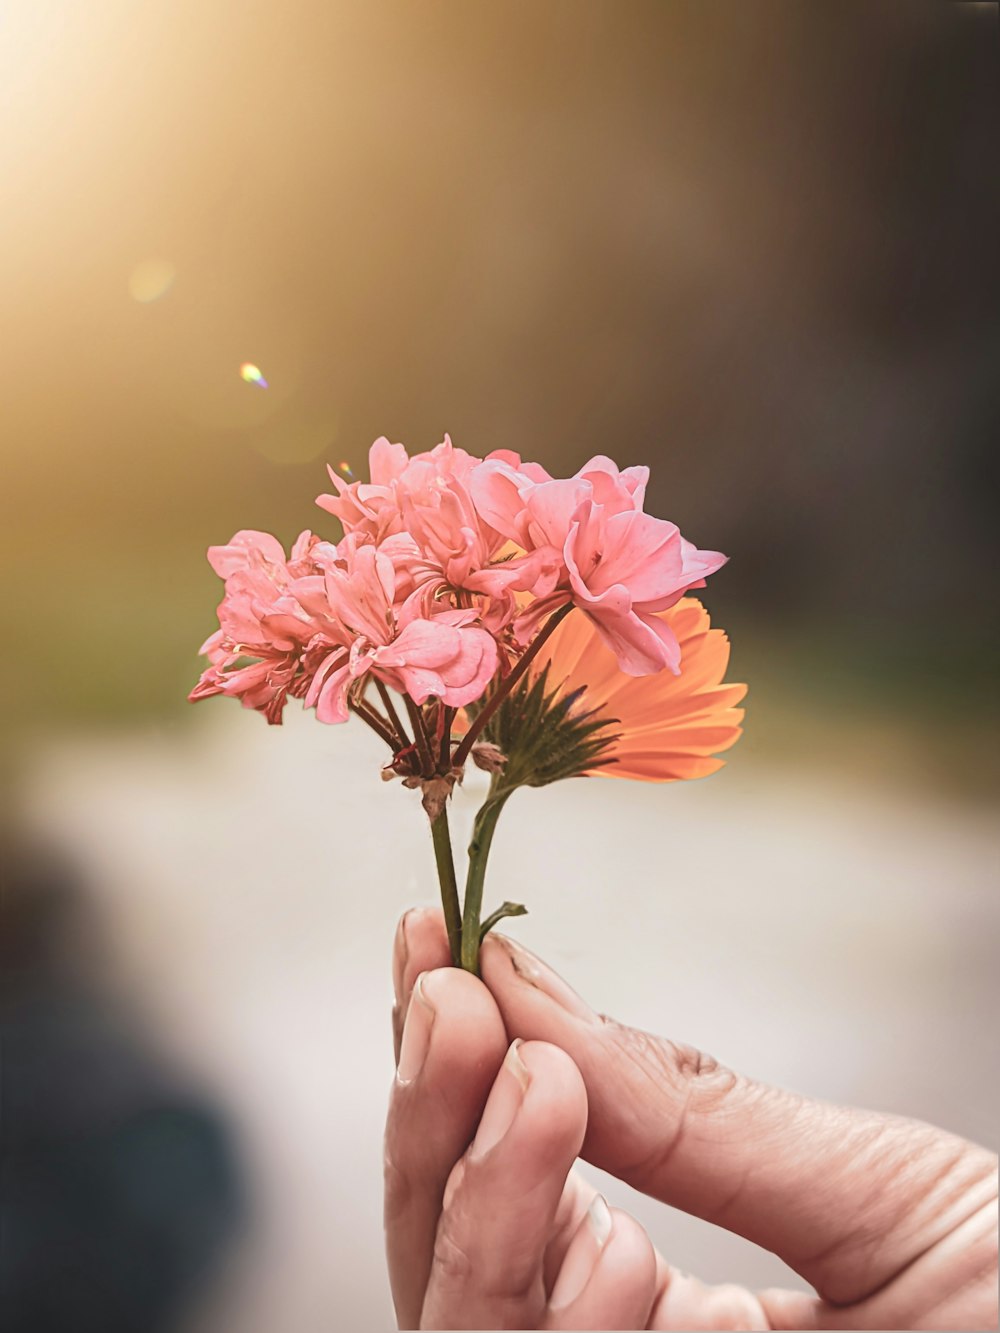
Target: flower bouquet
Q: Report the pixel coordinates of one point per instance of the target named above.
(481, 610)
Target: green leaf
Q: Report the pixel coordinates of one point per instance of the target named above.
(508, 909)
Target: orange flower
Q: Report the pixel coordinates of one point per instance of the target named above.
(670, 726)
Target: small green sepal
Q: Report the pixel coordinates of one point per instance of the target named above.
(546, 737)
(508, 909)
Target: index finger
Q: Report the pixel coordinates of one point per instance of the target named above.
(848, 1198)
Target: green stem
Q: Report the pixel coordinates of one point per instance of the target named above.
(479, 850)
(449, 884)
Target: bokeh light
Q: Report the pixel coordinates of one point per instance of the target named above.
(151, 279)
(251, 374)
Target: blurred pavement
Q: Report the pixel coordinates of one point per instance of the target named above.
(248, 880)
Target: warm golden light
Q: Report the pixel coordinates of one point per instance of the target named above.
(151, 279)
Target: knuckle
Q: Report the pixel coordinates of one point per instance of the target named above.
(453, 1185)
(502, 1272)
(709, 1084)
(689, 1074)
(397, 1186)
(453, 1264)
(691, 1083)
(732, 1307)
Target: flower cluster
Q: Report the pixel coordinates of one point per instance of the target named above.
(450, 590)
(448, 567)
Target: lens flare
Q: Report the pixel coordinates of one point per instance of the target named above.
(150, 280)
(345, 468)
(251, 374)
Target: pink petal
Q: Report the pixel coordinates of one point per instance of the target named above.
(242, 550)
(423, 643)
(642, 645)
(642, 552)
(209, 683)
(699, 564)
(551, 508)
(533, 471)
(455, 664)
(613, 490)
(497, 492)
(328, 690)
(386, 462)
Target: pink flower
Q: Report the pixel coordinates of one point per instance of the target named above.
(255, 655)
(444, 655)
(436, 509)
(426, 581)
(593, 545)
(314, 624)
(425, 501)
(369, 507)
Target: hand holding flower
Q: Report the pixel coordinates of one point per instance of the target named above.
(502, 1083)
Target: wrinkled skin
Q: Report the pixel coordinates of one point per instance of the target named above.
(489, 1225)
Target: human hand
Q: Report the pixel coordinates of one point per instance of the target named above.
(891, 1221)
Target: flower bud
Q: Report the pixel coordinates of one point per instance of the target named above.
(436, 793)
(489, 757)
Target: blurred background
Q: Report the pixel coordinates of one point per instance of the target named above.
(752, 245)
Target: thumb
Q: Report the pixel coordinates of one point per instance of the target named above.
(847, 1198)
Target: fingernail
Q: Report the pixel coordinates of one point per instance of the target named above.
(416, 1033)
(583, 1254)
(540, 975)
(400, 956)
(504, 1102)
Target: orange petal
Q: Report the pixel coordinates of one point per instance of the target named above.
(670, 726)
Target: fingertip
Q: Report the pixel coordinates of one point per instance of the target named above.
(608, 1277)
(630, 1249)
(555, 1099)
(495, 961)
(470, 1024)
(528, 991)
(400, 954)
(501, 1199)
(419, 945)
(552, 1067)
